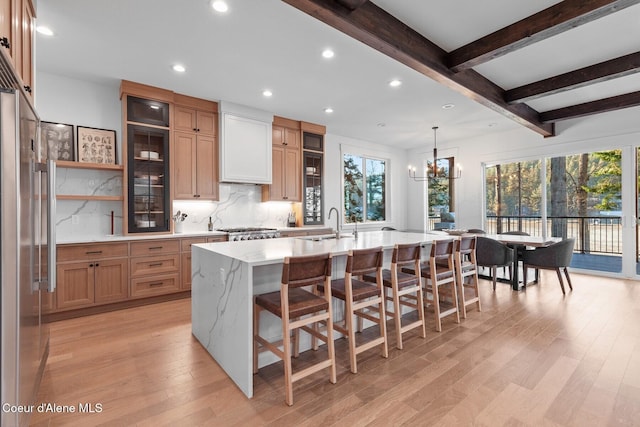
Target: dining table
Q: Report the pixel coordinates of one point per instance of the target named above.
(520, 242)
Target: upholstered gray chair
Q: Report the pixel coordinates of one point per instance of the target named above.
(555, 257)
(493, 254)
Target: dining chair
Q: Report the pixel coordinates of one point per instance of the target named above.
(405, 288)
(363, 300)
(467, 272)
(554, 257)
(298, 308)
(491, 253)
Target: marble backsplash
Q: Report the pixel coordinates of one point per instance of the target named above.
(240, 205)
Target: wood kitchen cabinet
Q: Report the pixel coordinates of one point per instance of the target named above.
(91, 274)
(17, 19)
(155, 267)
(195, 149)
(286, 169)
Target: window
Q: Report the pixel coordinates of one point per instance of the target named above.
(364, 189)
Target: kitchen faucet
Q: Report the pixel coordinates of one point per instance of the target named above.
(337, 221)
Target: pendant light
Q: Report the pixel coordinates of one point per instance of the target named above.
(433, 173)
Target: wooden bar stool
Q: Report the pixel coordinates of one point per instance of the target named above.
(467, 267)
(440, 272)
(292, 304)
(362, 299)
(406, 288)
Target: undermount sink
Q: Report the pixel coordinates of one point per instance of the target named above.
(326, 237)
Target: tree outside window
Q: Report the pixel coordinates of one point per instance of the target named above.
(364, 189)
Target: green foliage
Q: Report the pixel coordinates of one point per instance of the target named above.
(608, 180)
(364, 189)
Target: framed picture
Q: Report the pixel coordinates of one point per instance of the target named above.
(96, 145)
(59, 138)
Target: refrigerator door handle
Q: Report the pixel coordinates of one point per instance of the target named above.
(51, 225)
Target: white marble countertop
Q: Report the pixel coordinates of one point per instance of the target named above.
(260, 252)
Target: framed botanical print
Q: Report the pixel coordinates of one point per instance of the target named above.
(59, 138)
(96, 145)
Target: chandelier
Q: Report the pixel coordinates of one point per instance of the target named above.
(432, 173)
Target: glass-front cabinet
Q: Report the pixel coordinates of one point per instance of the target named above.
(313, 176)
(148, 177)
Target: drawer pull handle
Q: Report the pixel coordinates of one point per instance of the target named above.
(155, 264)
(155, 247)
(93, 252)
(156, 284)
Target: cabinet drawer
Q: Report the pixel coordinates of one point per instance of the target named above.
(158, 285)
(186, 243)
(216, 239)
(154, 247)
(93, 251)
(145, 266)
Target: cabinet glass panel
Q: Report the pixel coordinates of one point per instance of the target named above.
(311, 141)
(312, 203)
(148, 176)
(147, 111)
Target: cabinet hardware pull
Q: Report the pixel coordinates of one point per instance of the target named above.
(195, 130)
(97, 265)
(27, 89)
(93, 252)
(4, 42)
(155, 264)
(155, 247)
(90, 265)
(156, 284)
(198, 130)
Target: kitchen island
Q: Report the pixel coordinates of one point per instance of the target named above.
(226, 276)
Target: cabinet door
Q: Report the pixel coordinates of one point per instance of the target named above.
(206, 167)
(184, 119)
(277, 135)
(276, 190)
(184, 157)
(75, 287)
(292, 180)
(292, 138)
(207, 123)
(26, 68)
(149, 207)
(186, 271)
(111, 280)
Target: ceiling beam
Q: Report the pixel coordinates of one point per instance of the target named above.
(607, 70)
(594, 107)
(352, 4)
(547, 23)
(377, 29)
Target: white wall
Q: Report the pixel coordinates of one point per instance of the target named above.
(335, 146)
(617, 129)
(78, 102)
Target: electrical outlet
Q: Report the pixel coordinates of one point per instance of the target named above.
(75, 219)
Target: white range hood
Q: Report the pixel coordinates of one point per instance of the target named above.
(245, 144)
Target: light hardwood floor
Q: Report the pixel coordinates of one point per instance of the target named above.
(529, 358)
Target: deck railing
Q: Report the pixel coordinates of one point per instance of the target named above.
(594, 234)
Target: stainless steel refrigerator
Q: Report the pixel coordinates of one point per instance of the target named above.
(27, 249)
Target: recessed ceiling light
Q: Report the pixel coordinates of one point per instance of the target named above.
(448, 106)
(328, 53)
(395, 83)
(45, 31)
(328, 110)
(219, 6)
(179, 68)
(267, 93)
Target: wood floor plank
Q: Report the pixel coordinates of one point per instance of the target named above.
(530, 358)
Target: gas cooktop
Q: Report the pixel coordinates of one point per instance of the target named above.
(250, 233)
(245, 229)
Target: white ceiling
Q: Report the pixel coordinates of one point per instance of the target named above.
(262, 44)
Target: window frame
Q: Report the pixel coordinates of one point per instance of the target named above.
(387, 175)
